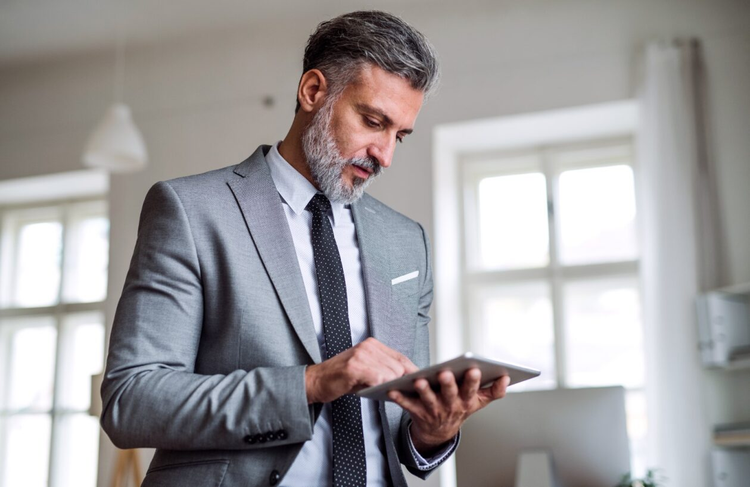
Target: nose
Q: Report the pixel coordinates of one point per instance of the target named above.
(382, 150)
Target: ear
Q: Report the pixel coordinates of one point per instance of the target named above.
(312, 90)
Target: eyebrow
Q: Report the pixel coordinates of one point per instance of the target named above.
(380, 113)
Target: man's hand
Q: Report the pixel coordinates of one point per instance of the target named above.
(436, 418)
(366, 364)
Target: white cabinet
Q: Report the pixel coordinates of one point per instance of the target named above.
(724, 334)
(731, 468)
(724, 327)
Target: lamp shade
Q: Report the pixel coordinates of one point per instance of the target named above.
(116, 144)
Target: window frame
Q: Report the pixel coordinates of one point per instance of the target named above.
(474, 281)
(63, 312)
(453, 140)
(540, 158)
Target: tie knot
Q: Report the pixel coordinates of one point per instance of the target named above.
(319, 204)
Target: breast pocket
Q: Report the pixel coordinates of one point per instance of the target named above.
(205, 474)
(405, 285)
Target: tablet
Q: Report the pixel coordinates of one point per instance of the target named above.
(491, 370)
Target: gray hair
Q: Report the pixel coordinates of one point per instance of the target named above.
(341, 46)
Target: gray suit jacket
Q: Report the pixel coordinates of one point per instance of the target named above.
(213, 330)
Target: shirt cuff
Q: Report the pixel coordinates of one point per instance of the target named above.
(439, 457)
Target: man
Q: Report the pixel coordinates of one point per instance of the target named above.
(262, 296)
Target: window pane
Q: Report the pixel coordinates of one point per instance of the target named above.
(86, 260)
(513, 231)
(37, 277)
(603, 333)
(26, 449)
(597, 215)
(516, 326)
(77, 450)
(82, 356)
(32, 363)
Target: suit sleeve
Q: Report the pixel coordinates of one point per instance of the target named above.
(151, 395)
(421, 360)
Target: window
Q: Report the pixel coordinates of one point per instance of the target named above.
(551, 267)
(53, 279)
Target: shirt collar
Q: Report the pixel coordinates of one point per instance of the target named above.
(293, 187)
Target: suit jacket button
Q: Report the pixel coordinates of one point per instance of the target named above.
(274, 478)
(261, 438)
(281, 434)
(250, 439)
(271, 436)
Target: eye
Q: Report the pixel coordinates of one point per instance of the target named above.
(372, 123)
(400, 139)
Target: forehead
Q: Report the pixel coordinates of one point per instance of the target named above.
(386, 92)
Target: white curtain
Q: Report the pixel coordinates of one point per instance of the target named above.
(678, 257)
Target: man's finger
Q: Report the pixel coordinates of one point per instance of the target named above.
(500, 386)
(378, 363)
(386, 361)
(426, 395)
(413, 406)
(409, 366)
(470, 386)
(496, 391)
(448, 387)
(390, 354)
(402, 359)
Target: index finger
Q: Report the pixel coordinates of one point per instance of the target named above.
(408, 364)
(402, 359)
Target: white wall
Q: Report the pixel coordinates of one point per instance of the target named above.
(198, 102)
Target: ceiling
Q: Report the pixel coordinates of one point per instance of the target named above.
(38, 29)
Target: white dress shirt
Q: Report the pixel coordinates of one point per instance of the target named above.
(313, 466)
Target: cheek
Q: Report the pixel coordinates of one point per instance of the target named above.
(351, 140)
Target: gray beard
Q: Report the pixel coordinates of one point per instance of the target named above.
(326, 164)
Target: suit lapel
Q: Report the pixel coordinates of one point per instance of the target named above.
(373, 239)
(261, 207)
(386, 325)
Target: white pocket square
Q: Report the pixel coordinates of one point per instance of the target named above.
(405, 277)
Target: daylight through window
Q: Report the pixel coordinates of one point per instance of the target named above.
(53, 280)
(551, 267)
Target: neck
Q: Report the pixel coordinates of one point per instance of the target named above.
(291, 150)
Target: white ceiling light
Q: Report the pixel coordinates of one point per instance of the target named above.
(116, 144)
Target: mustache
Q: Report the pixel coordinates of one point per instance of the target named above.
(369, 163)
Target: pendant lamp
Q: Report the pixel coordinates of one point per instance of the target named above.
(116, 144)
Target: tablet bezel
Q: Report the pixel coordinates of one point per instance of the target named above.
(491, 370)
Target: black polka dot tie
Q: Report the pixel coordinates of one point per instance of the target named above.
(349, 467)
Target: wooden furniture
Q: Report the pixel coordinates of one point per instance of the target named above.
(127, 463)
